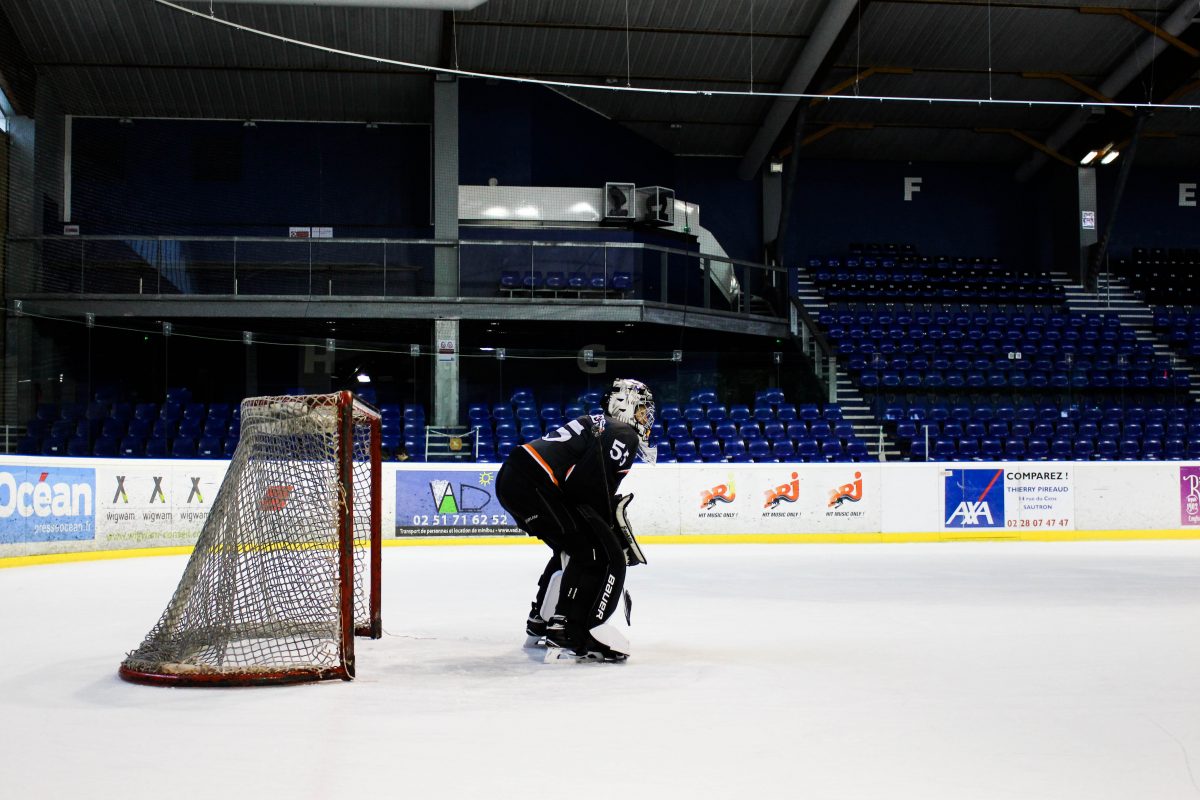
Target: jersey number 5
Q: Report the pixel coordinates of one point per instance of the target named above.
(617, 453)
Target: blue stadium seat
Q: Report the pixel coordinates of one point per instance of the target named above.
(678, 430)
(856, 450)
(750, 431)
(831, 450)
(209, 447)
(759, 450)
(783, 450)
(78, 447)
(157, 447)
(703, 432)
(739, 414)
(968, 448)
(735, 450)
(945, 450)
(190, 428)
(1014, 448)
(510, 280)
(113, 428)
(710, 450)
(685, 452)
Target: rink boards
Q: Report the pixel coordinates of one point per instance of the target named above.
(64, 505)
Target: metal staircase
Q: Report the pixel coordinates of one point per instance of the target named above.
(1114, 296)
(855, 408)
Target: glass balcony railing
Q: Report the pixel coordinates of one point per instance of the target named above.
(531, 271)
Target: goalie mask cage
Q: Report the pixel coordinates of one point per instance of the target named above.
(286, 569)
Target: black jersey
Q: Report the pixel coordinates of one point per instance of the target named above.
(588, 468)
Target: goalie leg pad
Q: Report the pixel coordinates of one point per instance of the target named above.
(550, 601)
(612, 638)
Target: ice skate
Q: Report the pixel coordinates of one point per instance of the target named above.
(535, 628)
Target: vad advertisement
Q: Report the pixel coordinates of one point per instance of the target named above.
(449, 502)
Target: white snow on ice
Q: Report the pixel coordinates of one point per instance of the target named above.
(963, 671)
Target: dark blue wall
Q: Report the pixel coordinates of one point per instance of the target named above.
(210, 177)
(1149, 214)
(531, 136)
(960, 209)
(729, 207)
(218, 177)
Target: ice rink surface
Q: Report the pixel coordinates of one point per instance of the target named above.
(963, 671)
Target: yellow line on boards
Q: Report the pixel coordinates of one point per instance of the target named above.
(1001, 535)
(92, 555)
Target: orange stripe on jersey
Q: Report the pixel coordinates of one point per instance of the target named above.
(541, 461)
(567, 477)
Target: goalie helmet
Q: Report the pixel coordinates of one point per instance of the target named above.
(632, 402)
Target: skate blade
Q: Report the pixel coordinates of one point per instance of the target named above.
(535, 642)
(561, 655)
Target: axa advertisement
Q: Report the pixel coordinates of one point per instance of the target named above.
(1009, 499)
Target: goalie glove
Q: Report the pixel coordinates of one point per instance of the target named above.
(633, 552)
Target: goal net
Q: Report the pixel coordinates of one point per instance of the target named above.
(286, 569)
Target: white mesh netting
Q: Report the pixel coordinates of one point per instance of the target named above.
(260, 597)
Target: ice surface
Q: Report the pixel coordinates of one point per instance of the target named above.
(966, 671)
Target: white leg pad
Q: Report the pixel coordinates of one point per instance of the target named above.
(550, 601)
(609, 635)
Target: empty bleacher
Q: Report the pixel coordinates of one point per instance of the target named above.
(965, 359)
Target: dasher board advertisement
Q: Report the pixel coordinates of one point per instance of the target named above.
(449, 502)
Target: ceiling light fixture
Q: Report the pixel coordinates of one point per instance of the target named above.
(1106, 154)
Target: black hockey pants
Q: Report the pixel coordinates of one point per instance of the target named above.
(594, 578)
